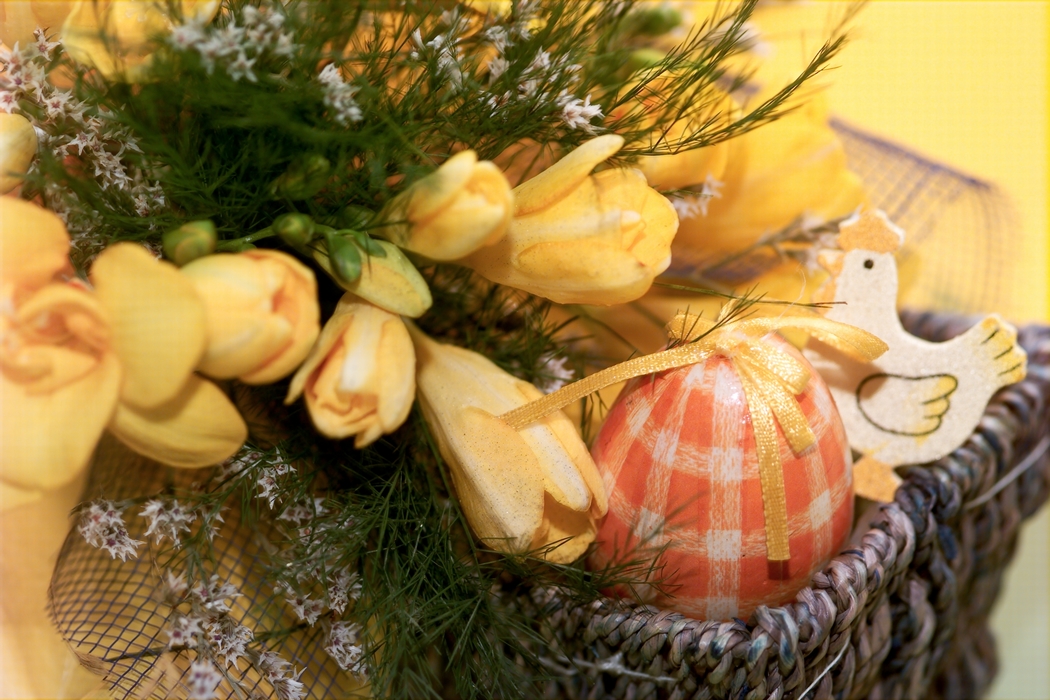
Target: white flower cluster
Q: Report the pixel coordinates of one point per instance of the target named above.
(444, 49)
(201, 680)
(303, 511)
(342, 646)
(339, 96)
(167, 519)
(102, 525)
(227, 638)
(237, 47)
(557, 373)
(66, 127)
(281, 675)
(266, 480)
(542, 71)
(213, 595)
(696, 205)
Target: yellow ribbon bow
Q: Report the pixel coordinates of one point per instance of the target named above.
(771, 379)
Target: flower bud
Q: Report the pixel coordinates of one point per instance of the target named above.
(189, 242)
(390, 281)
(261, 313)
(360, 377)
(462, 206)
(521, 490)
(651, 20)
(294, 229)
(18, 144)
(304, 177)
(344, 257)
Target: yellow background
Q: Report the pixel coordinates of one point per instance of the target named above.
(963, 82)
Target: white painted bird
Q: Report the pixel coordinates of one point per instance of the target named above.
(920, 400)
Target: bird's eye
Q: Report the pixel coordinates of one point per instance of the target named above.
(869, 263)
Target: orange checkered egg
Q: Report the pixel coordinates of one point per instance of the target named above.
(678, 458)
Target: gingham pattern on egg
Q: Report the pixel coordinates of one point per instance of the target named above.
(678, 450)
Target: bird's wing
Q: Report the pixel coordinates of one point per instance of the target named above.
(912, 406)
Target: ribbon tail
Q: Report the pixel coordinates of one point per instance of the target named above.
(771, 473)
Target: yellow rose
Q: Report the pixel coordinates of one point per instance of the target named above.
(116, 36)
(790, 167)
(520, 490)
(578, 238)
(74, 362)
(261, 312)
(359, 379)
(460, 207)
(17, 147)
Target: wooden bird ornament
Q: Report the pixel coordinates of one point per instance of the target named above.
(920, 400)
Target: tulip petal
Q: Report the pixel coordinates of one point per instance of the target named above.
(47, 438)
(199, 427)
(34, 245)
(431, 193)
(157, 322)
(18, 144)
(559, 180)
(572, 530)
(581, 272)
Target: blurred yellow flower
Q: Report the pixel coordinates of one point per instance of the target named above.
(18, 144)
(460, 207)
(74, 362)
(578, 238)
(790, 167)
(520, 490)
(261, 312)
(360, 377)
(116, 36)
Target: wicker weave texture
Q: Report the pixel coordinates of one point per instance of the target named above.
(902, 613)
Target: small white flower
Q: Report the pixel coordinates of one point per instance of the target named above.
(183, 632)
(289, 687)
(577, 113)
(557, 373)
(497, 67)
(102, 526)
(8, 101)
(692, 207)
(272, 665)
(213, 595)
(306, 609)
(241, 67)
(228, 639)
(173, 588)
(303, 511)
(202, 679)
(43, 46)
(166, 519)
(342, 646)
(187, 36)
(344, 588)
(284, 46)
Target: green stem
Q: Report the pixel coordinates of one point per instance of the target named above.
(236, 243)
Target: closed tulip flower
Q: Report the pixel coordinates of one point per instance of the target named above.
(578, 238)
(521, 490)
(360, 377)
(18, 144)
(460, 207)
(261, 312)
(120, 357)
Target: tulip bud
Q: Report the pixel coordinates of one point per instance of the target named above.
(294, 229)
(303, 178)
(18, 144)
(521, 490)
(189, 242)
(389, 281)
(360, 377)
(462, 206)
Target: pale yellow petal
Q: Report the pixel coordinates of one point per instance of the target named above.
(197, 428)
(18, 142)
(433, 192)
(47, 438)
(34, 245)
(157, 322)
(558, 181)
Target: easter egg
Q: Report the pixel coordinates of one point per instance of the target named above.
(677, 454)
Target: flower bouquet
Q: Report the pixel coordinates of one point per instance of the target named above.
(327, 302)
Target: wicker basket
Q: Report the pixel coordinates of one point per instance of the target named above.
(902, 613)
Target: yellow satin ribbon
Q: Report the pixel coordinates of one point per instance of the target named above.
(771, 379)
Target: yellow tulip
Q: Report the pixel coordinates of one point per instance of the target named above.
(391, 282)
(116, 36)
(578, 238)
(790, 167)
(74, 362)
(520, 490)
(20, 18)
(359, 379)
(261, 311)
(18, 144)
(460, 207)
